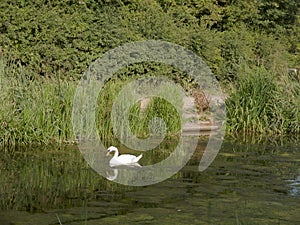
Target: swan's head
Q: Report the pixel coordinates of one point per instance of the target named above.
(111, 149)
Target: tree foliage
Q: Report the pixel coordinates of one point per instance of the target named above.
(62, 37)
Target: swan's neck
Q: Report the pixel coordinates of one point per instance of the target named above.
(116, 153)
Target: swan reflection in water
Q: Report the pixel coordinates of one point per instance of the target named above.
(125, 161)
(112, 176)
(294, 186)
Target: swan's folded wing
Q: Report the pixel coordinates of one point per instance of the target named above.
(126, 159)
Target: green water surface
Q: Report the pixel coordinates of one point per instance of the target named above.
(246, 184)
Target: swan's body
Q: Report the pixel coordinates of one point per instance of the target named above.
(123, 160)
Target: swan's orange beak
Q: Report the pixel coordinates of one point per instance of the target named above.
(107, 153)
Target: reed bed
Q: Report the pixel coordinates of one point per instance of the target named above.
(39, 110)
(33, 110)
(264, 103)
(139, 120)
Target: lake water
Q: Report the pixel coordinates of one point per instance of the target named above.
(246, 184)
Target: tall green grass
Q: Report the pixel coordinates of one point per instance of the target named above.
(39, 110)
(139, 120)
(265, 103)
(33, 110)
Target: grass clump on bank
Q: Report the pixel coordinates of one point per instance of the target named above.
(39, 110)
(263, 103)
(139, 120)
(33, 110)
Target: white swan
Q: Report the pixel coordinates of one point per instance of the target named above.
(123, 160)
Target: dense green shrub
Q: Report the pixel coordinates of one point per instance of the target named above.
(62, 38)
(54, 39)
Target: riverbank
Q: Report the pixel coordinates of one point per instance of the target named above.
(45, 48)
(40, 110)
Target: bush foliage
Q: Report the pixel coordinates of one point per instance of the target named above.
(65, 36)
